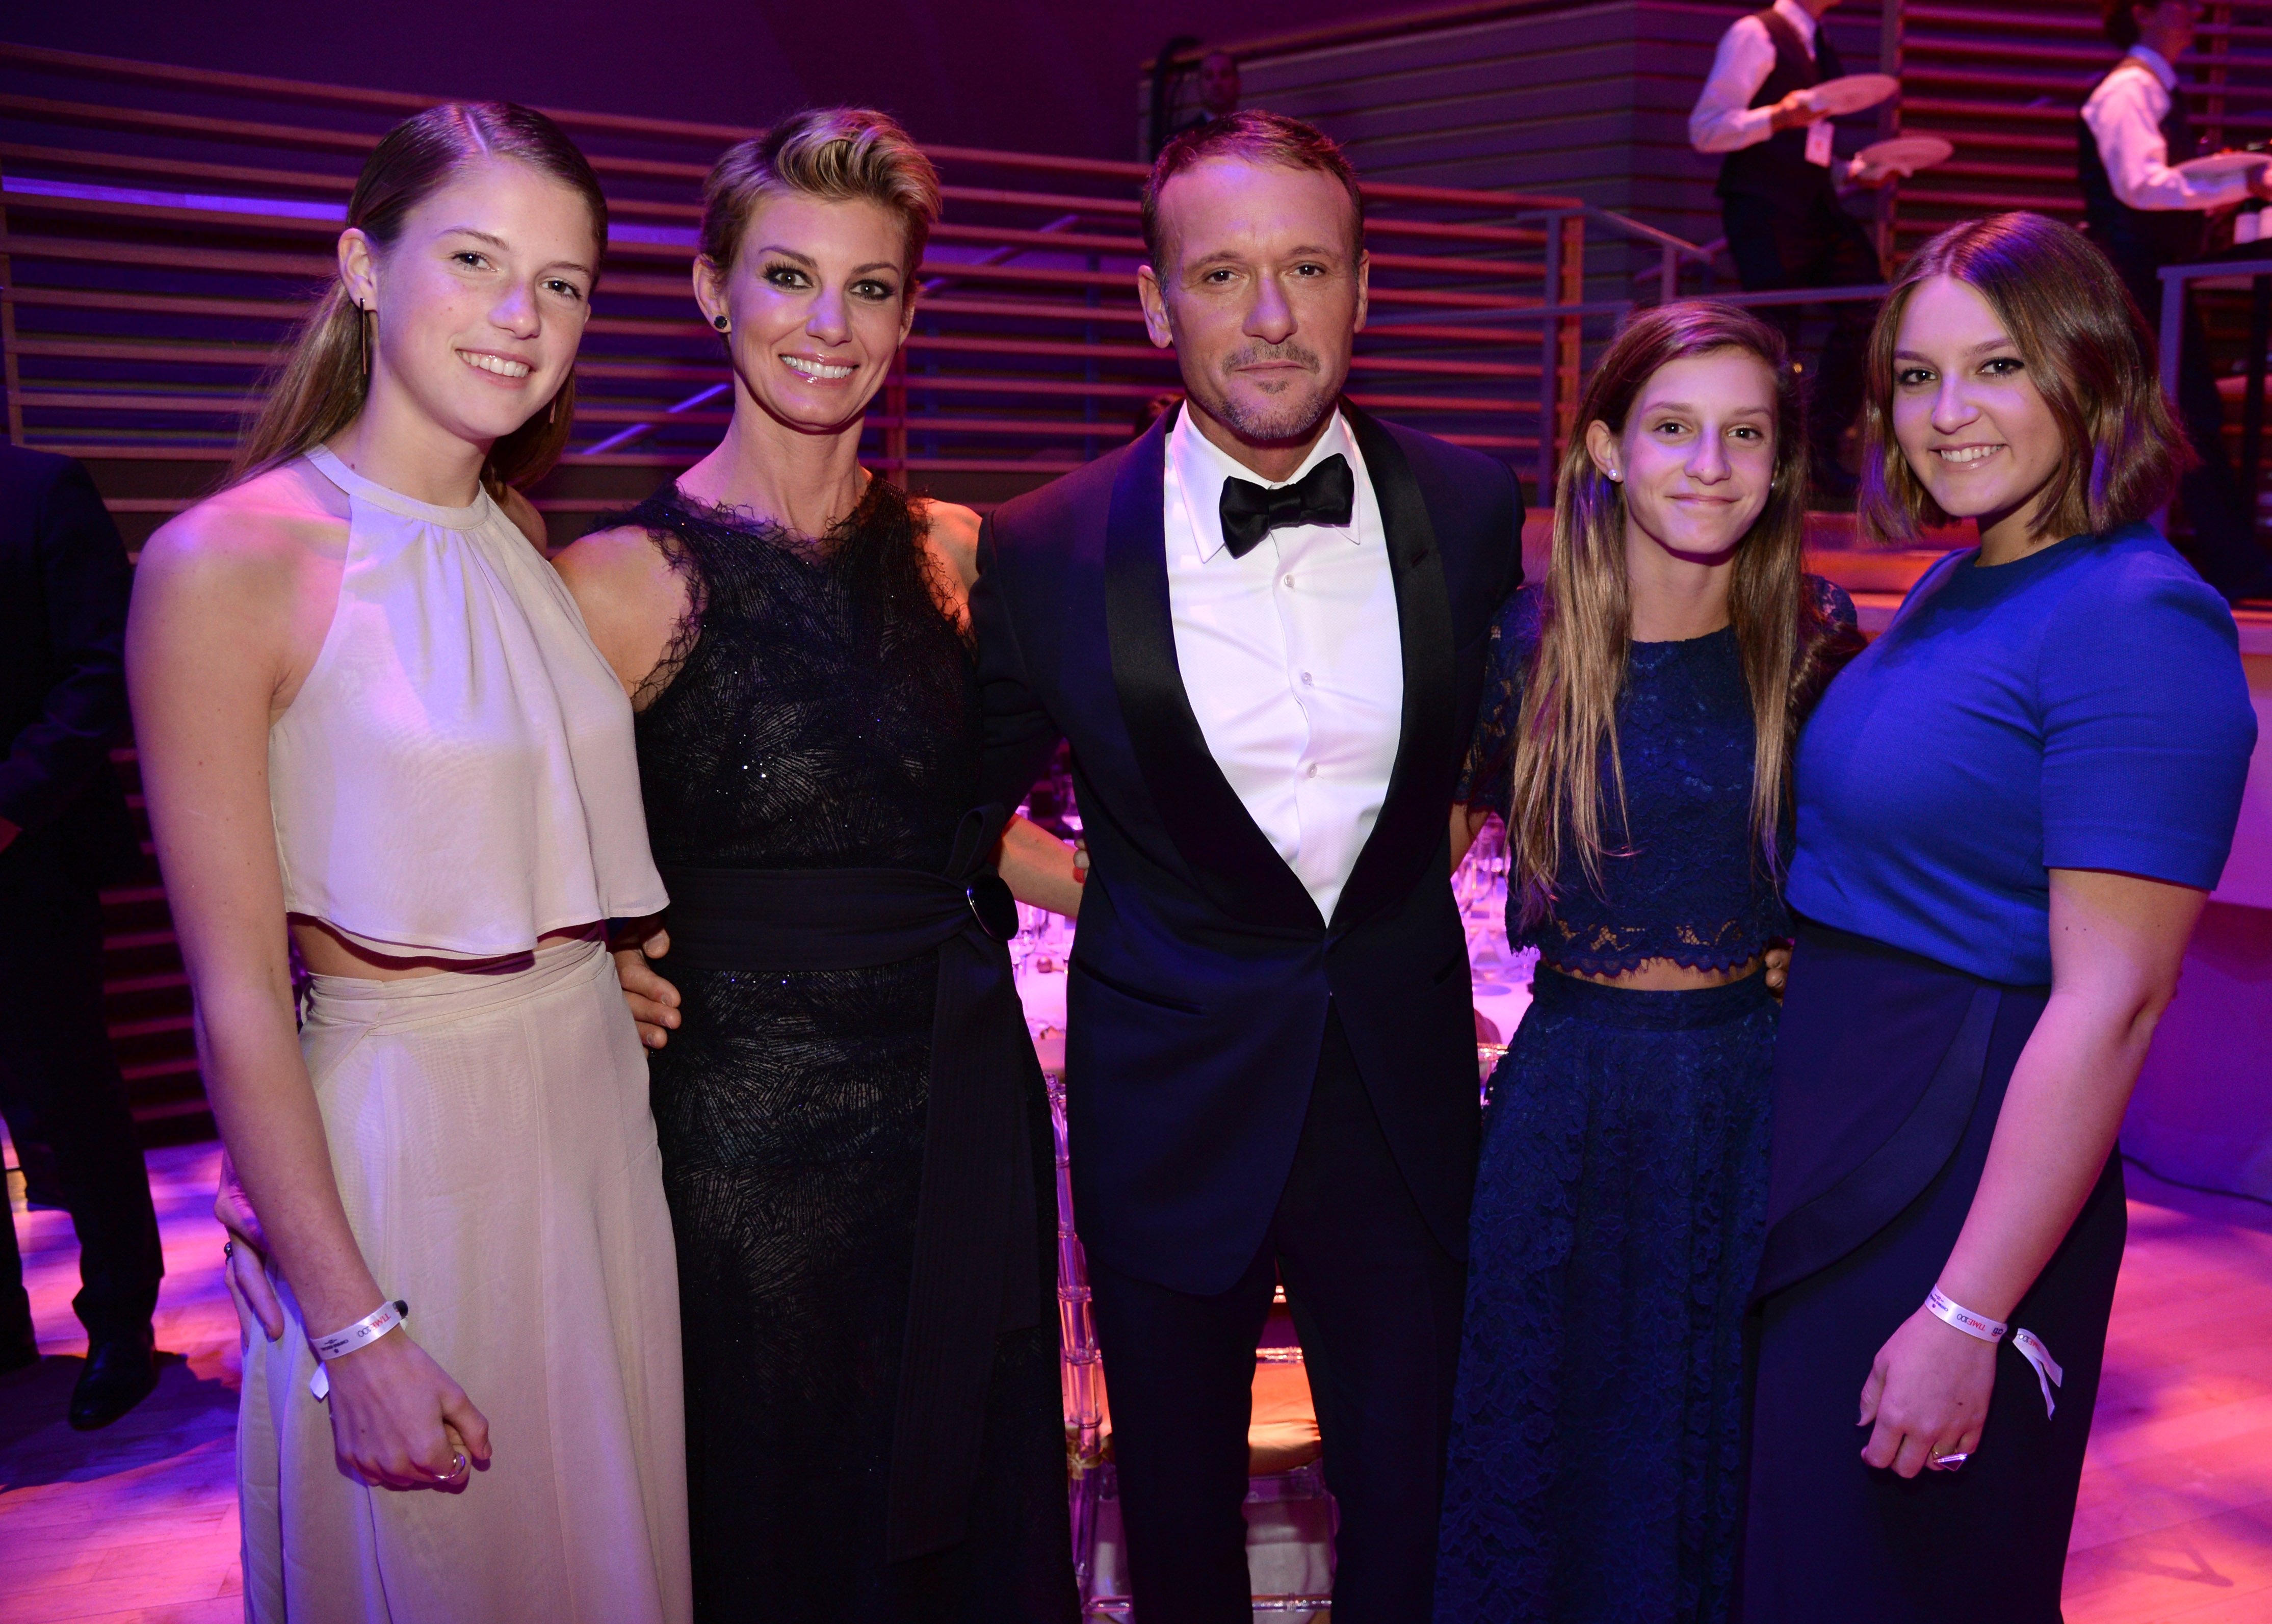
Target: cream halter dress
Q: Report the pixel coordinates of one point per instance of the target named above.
(456, 779)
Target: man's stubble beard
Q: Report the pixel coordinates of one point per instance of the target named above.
(1274, 420)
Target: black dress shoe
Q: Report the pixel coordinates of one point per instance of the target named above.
(119, 1375)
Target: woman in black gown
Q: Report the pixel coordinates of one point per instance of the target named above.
(855, 1138)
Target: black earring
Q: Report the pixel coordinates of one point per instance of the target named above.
(363, 334)
(721, 323)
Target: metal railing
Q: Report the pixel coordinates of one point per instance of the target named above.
(153, 254)
(2177, 280)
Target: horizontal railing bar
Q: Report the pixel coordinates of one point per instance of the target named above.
(305, 266)
(171, 304)
(178, 168)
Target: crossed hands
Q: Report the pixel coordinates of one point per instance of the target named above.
(398, 1420)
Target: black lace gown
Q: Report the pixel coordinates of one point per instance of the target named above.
(816, 713)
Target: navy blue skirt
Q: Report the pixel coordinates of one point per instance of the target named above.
(1888, 1079)
(1596, 1458)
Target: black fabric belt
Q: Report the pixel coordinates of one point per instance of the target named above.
(977, 1261)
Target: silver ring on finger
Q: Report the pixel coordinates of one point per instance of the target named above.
(1947, 1462)
(458, 1464)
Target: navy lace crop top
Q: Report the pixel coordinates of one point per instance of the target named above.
(1683, 881)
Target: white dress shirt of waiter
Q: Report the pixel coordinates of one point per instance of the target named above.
(1725, 121)
(2125, 114)
(1291, 655)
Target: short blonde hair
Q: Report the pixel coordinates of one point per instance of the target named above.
(837, 153)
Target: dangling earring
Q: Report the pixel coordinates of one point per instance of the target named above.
(362, 335)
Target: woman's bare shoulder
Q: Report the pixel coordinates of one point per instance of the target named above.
(953, 531)
(623, 558)
(265, 529)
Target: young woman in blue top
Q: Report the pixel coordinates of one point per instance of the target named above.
(1635, 735)
(2010, 810)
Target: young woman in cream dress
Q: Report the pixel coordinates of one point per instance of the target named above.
(371, 722)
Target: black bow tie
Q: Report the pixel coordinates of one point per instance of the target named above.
(1326, 494)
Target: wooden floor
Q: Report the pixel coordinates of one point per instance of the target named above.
(138, 1525)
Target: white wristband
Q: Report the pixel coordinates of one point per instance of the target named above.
(362, 1334)
(1963, 1318)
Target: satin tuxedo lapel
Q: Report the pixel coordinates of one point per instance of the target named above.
(1418, 806)
(1229, 857)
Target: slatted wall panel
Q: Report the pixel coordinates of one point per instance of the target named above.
(1591, 100)
(161, 228)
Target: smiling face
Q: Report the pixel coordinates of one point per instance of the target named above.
(1697, 458)
(1970, 423)
(1262, 298)
(818, 302)
(480, 299)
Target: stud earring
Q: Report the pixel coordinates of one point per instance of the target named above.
(721, 323)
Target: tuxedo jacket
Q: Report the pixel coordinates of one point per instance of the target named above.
(1201, 970)
(64, 584)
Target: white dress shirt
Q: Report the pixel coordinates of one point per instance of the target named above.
(1292, 656)
(1724, 120)
(2125, 114)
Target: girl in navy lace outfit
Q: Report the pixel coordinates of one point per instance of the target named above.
(1636, 737)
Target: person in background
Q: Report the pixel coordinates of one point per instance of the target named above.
(855, 1135)
(374, 727)
(2145, 215)
(2011, 809)
(64, 830)
(1779, 183)
(1639, 713)
(1218, 87)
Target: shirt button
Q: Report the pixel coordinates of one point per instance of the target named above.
(1306, 679)
(1286, 580)
(1311, 771)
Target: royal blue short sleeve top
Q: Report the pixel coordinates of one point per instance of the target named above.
(2081, 708)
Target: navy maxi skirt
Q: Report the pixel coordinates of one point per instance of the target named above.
(1888, 1077)
(1595, 1469)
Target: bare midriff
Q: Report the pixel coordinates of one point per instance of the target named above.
(327, 953)
(1666, 975)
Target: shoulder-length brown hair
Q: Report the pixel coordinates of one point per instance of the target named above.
(320, 386)
(2088, 353)
(1566, 764)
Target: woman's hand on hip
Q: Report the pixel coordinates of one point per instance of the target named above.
(399, 1422)
(653, 1001)
(245, 1258)
(1927, 1395)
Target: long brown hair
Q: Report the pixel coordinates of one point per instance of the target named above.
(1567, 736)
(319, 386)
(2088, 353)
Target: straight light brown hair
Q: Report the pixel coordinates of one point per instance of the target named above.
(838, 154)
(2088, 353)
(320, 386)
(1567, 768)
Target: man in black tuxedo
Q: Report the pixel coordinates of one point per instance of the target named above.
(65, 829)
(1261, 625)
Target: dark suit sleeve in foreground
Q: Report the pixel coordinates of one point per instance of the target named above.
(85, 581)
(1020, 734)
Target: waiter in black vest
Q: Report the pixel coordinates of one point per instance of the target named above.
(1779, 198)
(2145, 215)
